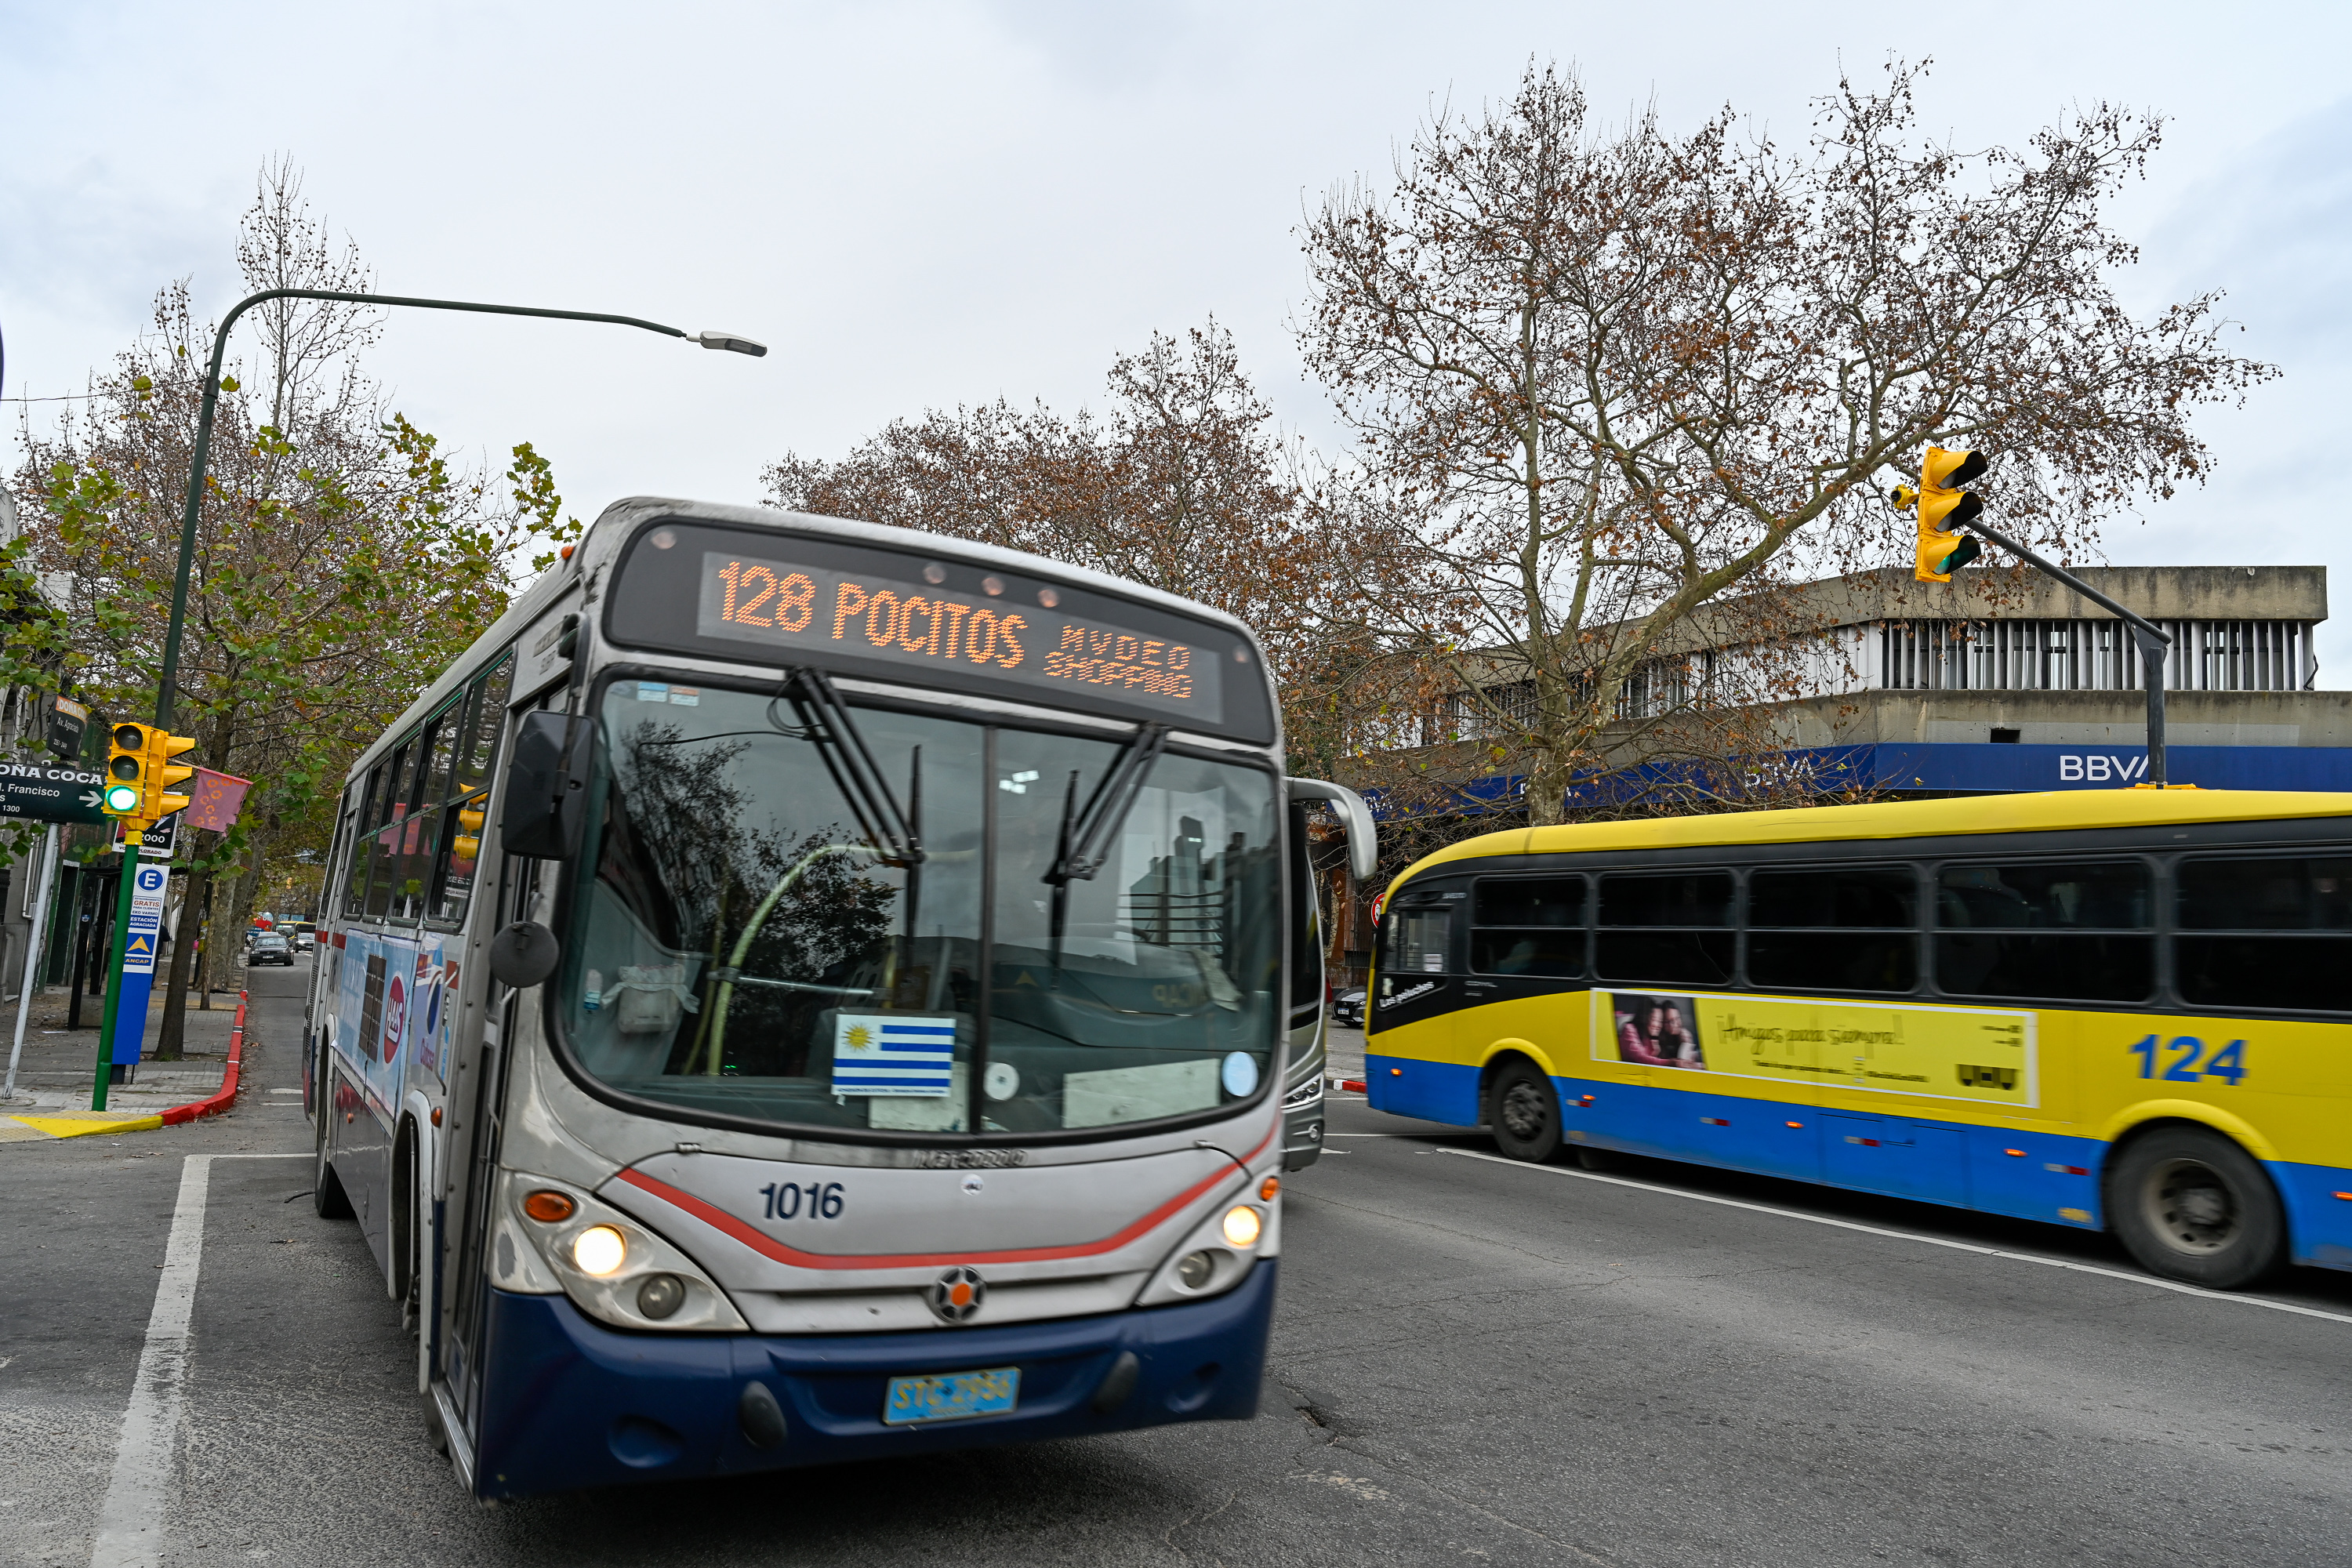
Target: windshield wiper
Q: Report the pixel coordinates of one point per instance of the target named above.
(1085, 835)
(824, 720)
(1084, 842)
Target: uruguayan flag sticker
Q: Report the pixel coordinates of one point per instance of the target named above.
(893, 1053)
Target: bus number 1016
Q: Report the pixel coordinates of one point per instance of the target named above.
(824, 1201)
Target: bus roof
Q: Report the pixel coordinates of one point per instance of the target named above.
(2039, 813)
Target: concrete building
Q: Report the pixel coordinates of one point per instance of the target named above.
(1998, 683)
(2001, 681)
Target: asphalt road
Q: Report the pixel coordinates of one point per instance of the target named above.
(1473, 1361)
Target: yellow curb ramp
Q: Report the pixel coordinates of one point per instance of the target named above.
(79, 1123)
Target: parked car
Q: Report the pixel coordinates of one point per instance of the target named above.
(1348, 1009)
(269, 947)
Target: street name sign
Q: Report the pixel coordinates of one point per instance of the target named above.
(46, 792)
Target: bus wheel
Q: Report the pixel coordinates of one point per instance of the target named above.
(327, 1195)
(1525, 1120)
(2191, 1205)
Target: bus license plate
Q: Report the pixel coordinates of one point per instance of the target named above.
(950, 1396)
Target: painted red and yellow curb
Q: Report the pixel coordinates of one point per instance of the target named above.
(82, 1123)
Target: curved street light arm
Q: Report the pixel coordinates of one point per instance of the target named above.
(167, 681)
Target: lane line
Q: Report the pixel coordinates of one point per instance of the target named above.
(130, 1520)
(2172, 1285)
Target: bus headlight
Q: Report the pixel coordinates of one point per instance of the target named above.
(1218, 1250)
(613, 1267)
(600, 1251)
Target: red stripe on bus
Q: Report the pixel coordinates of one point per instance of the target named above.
(720, 1219)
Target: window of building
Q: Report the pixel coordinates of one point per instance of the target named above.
(1848, 928)
(1528, 926)
(1670, 929)
(2256, 932)
(2056, 930)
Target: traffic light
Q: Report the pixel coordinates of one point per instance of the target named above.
(1943, 506)
(126, 766)
(164, 776)
(467, 844)
(141, 775)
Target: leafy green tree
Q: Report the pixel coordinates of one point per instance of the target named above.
(342, 560)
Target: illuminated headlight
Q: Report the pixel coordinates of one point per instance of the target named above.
(1242, 1225)
(599, 1250)
(559, 1237)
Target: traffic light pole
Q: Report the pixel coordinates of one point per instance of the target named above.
(125, 887)
(2152, 641)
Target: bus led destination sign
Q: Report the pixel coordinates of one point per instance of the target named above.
(923, 626)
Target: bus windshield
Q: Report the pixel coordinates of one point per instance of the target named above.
(776, 933)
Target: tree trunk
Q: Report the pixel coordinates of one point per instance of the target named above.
(193, 908)
(247, 890)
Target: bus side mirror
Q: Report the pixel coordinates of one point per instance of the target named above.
(546, 799)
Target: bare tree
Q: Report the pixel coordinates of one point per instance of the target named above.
(1601, 379)
(342, 558)
(1184, 484)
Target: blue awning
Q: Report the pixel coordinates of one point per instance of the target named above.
(1942, 767)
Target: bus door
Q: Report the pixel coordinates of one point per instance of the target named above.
(1416, 1060)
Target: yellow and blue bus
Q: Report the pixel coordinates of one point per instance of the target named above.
(2126, 1009)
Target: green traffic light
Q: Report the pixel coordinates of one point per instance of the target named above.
(122, 799)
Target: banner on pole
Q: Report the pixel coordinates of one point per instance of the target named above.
(215, 799)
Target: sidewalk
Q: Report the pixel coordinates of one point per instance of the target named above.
(54, 1076)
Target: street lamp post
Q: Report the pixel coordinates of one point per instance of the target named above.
(164, 688)
(166, 692)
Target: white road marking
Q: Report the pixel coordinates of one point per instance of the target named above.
(131, 1522)
(2230, 1296)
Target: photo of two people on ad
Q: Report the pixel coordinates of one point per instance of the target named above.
(1657, 1031)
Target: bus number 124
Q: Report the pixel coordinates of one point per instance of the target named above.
(2229, 1063)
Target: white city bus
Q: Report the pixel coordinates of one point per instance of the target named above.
(799, 990)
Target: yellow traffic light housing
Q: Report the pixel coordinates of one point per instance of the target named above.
(141, 776)
(1942, 507)
(467, 844)
(126, 770)
(164, 776)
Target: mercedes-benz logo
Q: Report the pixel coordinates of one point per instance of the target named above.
(957, 1294)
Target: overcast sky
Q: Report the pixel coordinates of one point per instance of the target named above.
(928, 204)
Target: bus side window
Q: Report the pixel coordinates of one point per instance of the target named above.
(2256, 932)
(1526, 926)
(473, 728)
(1667, 930)
(1413, 940)
(1848, 928)
(361, 848)
(2045, 930)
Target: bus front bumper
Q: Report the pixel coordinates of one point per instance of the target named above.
(568, 1402)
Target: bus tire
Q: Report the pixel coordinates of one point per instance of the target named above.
(2191, 1205)
(327, 1195)
(1525, 1112)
